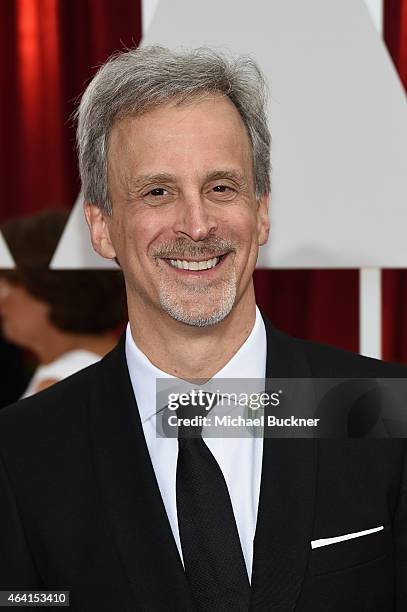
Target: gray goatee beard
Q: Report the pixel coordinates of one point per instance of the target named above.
(200, 314)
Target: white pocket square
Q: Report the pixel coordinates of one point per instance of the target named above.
(342, 538)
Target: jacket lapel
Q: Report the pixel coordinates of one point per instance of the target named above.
(287, 494)
(130, 492)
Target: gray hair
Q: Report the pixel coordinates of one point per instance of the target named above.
(133, 82)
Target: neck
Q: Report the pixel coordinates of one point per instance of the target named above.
(58, 342)
(190, 352)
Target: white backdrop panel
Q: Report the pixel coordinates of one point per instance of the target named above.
(74, 250)
(6, 261)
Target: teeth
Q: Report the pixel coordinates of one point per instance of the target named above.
(194, 265)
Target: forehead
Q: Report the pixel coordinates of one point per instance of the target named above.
(204, 131)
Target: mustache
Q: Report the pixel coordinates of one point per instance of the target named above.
(182, 247)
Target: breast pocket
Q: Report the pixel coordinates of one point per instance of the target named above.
(350, 553)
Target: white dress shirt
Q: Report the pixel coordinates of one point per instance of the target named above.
(240, 459)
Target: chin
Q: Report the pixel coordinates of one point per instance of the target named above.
(14, 338)
(198, 317)
(9, 337)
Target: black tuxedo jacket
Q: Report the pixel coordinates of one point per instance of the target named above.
(80, 507)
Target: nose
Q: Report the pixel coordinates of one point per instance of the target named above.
(193, 218)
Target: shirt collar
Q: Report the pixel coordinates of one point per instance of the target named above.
(248, 362)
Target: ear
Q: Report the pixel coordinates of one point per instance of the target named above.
(99, 231)
(263, 220)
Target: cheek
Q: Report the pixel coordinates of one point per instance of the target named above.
(242, 229)
(16, 321)
(138, 233)
(10, 307)
(23, 316)
(29, 313)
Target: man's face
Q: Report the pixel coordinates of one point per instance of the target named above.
(186, 226)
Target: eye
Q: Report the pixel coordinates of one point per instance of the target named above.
(222, 189)
(158, 195)
(222, 192)
(157, 192)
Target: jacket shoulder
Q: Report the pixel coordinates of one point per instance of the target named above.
(63, 399)
(326, 361)
(329, 361)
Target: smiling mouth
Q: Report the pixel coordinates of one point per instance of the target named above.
(196, 266)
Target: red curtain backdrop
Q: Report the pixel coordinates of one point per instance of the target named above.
(320, 305)
(50, 49)
(395, 34)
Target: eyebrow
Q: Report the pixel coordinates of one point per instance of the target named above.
(225, 174)
(163, 177)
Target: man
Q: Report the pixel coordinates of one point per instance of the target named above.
(174, 158)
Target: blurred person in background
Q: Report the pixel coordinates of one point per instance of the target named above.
(14, 375)
(67, 318)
